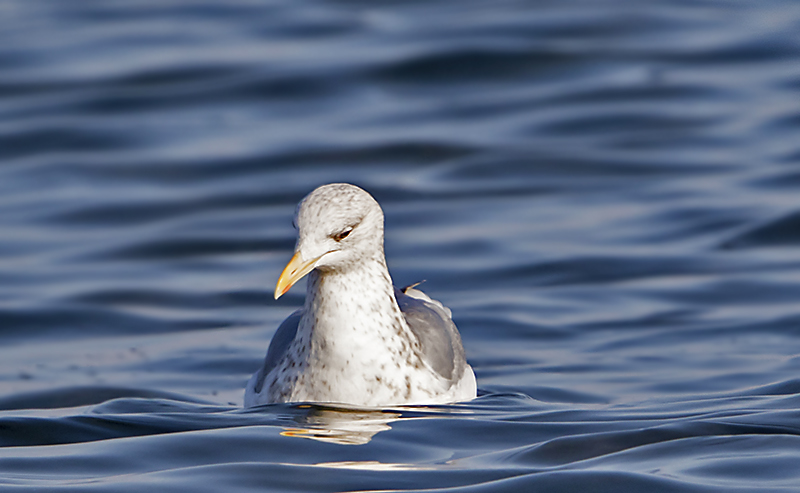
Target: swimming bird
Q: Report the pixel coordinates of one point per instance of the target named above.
(357, 339)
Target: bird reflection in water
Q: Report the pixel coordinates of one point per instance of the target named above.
(340, 425)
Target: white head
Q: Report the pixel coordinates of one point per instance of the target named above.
(339, 225)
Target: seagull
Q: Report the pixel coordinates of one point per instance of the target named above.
(357, 340)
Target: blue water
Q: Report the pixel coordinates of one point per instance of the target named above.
(606, 194)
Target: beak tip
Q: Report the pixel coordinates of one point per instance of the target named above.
(293, 272)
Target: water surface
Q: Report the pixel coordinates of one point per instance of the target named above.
(606, 195)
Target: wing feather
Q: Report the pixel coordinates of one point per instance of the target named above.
(438, 336)
(278, 346)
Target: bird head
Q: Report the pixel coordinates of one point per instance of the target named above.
(338, 226)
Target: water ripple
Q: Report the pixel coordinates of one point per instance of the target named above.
(607, 198)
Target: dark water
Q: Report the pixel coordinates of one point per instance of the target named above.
(607, 195)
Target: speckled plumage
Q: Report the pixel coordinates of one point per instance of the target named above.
(352, 343)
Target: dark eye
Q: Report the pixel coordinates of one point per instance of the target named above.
(342, 234)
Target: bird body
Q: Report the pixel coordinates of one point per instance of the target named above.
(357, 340)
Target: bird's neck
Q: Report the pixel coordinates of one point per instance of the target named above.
(353, 316)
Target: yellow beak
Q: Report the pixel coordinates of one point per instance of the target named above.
(293, 272)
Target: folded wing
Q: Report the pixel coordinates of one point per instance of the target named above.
(439, 340)
(278, 346)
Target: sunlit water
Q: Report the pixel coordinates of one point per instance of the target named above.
(607, 195)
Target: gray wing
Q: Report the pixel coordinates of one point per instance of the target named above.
(438, 336)
(278, 346)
